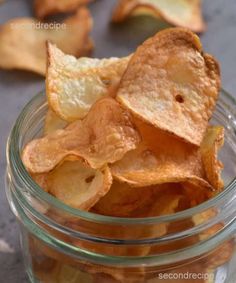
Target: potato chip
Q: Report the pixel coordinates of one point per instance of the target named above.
(44, 8)
(196, 194)
(41, 180)
(212, 142)
(171, 84)
(224, 251)
(221, 255)
(76, 184)
(23, 40)
(104, 136)
(160, 158)
(69, 274)
(125, 201)
(182, 13)
(122, 200)
(53, 123)
(165, 200)
(117, 274)
(73, 86)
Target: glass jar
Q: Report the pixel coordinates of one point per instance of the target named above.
(64, 245)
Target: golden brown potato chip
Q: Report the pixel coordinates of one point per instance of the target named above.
(104, 136)
(122, 200)
(145, 178)
(73, 86)
(117, 274)
(44, 8)
(52, 266)
(196, 194)
(224, 251)
(41, 180)
(141, 167)
(212, 142)
(182, 13)
(53, 123)
(69, 274)
(165, 200)
(76, 184)
(23, 40)
(160, 158)
(221, 255)
(171, 84)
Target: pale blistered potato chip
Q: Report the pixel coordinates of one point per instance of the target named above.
(53, 123)
(104, 136)
(171, 84)
(159, 158)
(212, 142)
(23, 40)
(73, 86)
(183, 13)
(76, 184)
(44, 8)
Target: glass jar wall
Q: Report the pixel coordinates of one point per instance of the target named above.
(61, 244)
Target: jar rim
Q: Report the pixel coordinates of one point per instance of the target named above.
(15, 162)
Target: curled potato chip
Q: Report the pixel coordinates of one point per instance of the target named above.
(182, 13)
(76, 184)
(144, 178)
(197, 193)
(125, 201)
(171, 84)
(73, 86)
(23, 40)
(104, 136)
(165, 200)
(212, 142)
(53, 123)
(122, 200)
(160, 158)
(44, 8)
(163, 169)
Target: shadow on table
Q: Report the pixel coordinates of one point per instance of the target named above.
(9, 77)
(11, 268)
(135, 30)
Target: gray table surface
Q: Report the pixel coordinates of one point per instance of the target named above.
(16, 88)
